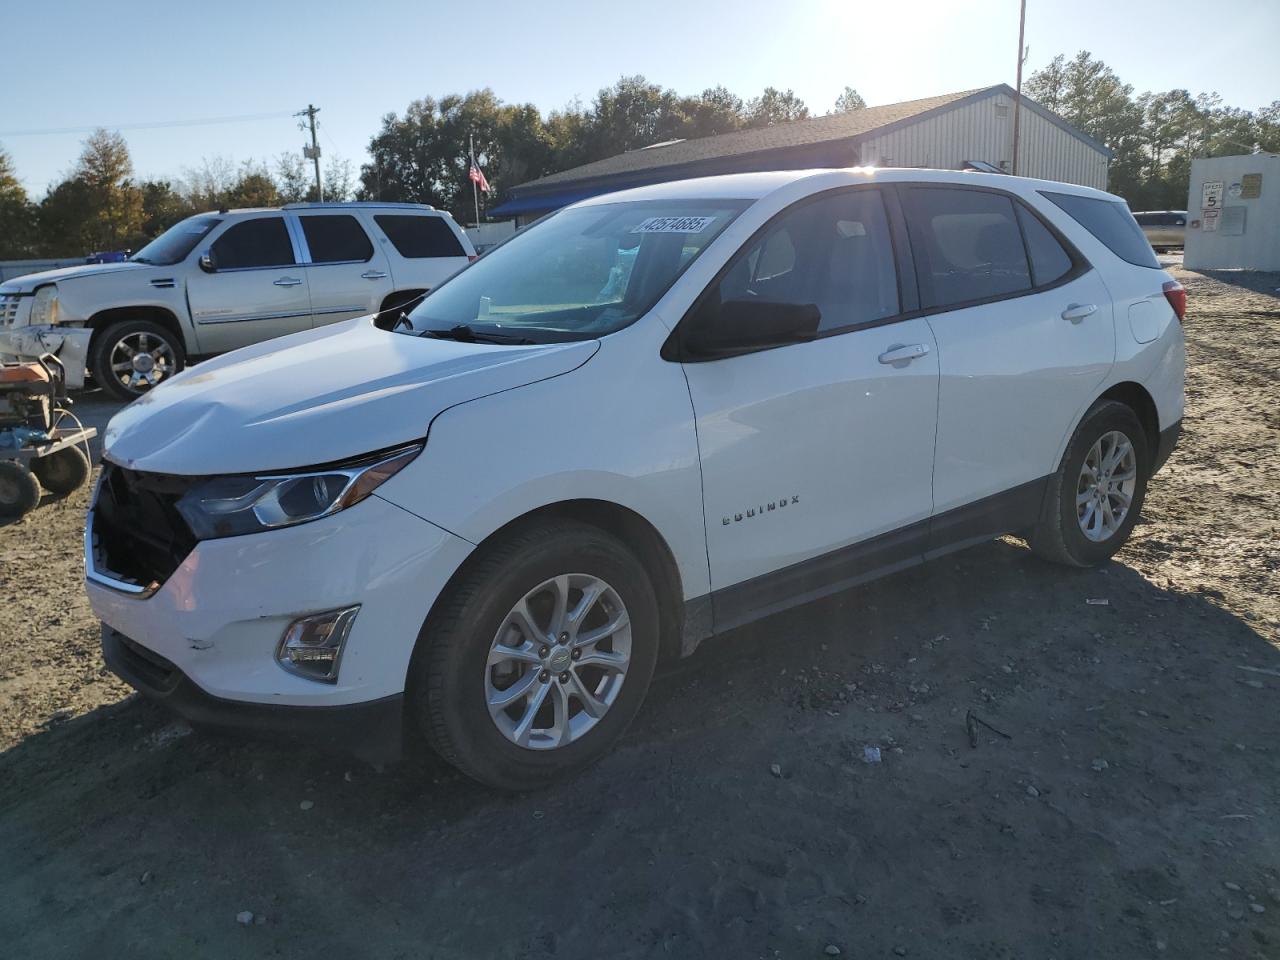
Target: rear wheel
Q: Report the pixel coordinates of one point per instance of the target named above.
(62, 472)
(538, 658)
(131, 357)
(1094, 499)
(19, 492)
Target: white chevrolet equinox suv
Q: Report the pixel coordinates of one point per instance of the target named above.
(649, 418)
(219, 281)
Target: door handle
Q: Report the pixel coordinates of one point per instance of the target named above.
(374, 275)
(287, 282)
(1078, 311)
(903, 354)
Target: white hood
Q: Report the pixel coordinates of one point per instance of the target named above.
(317, 397)
(28, 282)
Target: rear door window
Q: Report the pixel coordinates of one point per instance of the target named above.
(1049, 259)
(262, 242)
(336, 238)
(1112, 224)
(417, 237)
(967, 244)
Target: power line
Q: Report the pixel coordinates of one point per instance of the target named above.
(51, 131)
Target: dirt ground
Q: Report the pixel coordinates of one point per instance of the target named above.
(1128, 807)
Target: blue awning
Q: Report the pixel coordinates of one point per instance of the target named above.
(551, 200)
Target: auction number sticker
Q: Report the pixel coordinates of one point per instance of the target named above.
(673, 225)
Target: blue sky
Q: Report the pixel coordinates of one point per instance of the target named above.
(86, 63)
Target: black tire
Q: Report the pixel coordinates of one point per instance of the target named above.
(19, 491)
(104, 345)
(446, 698)
(1058, 536)
(62, 472)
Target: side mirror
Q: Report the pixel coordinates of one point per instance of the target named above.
(743, 326)
(207, 263)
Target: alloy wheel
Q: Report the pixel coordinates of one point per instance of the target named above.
(141, 360)
(558, 662)
(1106, 485)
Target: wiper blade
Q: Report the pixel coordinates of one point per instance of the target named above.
(467, 334)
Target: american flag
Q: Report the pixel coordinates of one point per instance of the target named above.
(477, 177)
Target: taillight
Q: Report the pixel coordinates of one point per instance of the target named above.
(1176, 294)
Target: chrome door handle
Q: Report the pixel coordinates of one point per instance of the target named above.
(374, 275)
(1078, 311)
(287, 282)
(903, 354)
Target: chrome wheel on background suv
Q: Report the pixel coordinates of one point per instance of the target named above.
(128, 359)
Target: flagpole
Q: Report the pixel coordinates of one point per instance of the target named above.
(475, 191)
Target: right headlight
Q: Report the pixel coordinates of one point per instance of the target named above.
(231, 506)
(44, 306)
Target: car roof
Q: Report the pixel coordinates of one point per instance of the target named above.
(342, 205)
(756, 186)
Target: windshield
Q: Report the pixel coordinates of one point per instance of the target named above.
(579, 274)
(174, 244)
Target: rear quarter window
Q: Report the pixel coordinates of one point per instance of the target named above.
(1112, 224)
(420, 237)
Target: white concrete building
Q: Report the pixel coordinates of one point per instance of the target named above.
(1233, 213)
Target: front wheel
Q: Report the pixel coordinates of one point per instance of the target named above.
(129, 358)
(1093, 501)
(538, 658)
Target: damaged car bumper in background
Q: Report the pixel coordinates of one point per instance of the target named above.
(68, 344)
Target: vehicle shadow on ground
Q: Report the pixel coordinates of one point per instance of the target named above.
(1119, 767)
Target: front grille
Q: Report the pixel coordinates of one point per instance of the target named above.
(9, 309)
(139, 533)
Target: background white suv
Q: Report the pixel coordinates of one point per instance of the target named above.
(651, 417)
(218, 281)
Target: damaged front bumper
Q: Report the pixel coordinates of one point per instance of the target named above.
(68, 344)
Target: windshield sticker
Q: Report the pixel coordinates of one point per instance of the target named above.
(673, 225)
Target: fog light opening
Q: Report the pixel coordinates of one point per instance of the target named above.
(311, 646)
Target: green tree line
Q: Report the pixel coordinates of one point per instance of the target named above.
(1153, 136)
(101, 205)
(421, 156)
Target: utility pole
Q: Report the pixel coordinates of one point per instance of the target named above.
(312, 152)
(1017, 97)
